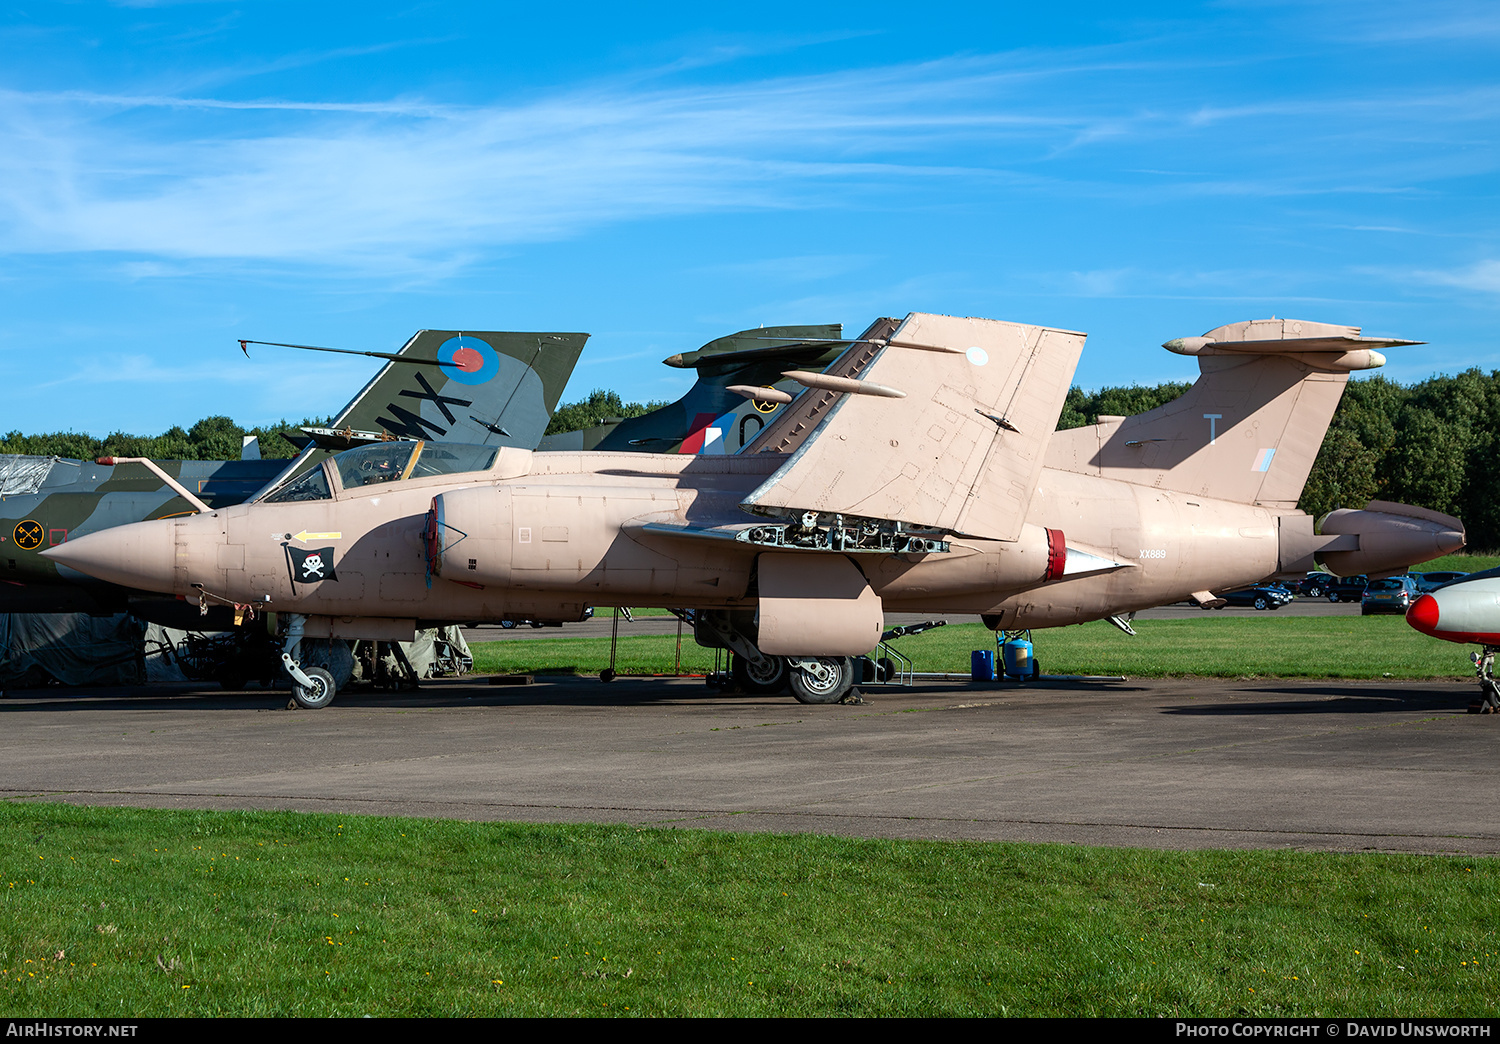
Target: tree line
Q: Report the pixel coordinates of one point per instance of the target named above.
(1434, 444)
(212, 438)
(220, 438)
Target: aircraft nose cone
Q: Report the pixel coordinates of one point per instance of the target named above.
(1423, 614)
(139, 555)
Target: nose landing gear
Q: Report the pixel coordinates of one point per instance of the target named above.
(1489, 690)
(317, 690)
(312, 688)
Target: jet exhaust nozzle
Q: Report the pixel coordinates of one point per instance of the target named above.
(1391, 537)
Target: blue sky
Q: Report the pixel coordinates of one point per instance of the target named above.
(174, 176)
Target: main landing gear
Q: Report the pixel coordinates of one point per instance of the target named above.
(761, 677)
(820, 679)
(811, 679)
(1489, 691)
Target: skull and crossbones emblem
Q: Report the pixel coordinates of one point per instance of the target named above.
(311, 567)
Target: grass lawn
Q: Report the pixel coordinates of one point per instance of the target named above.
(1462, 562)
(123, 912)
(1264, 645)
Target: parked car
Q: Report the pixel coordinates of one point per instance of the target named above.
(1394, 594)
(588, 613)
(1347, 588)
(1315, 585)
(1261, 596)
(1432, 581)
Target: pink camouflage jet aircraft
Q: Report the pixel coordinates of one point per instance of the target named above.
(919, 473)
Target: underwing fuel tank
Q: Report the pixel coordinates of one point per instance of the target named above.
(1386, 537)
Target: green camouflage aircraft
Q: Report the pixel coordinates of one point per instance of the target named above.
(710, 418)
(483, 388)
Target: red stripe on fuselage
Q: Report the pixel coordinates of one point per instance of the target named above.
(1057, 554)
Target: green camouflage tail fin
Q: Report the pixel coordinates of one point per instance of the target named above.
(485, 388)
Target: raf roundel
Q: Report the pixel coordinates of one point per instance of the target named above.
(978, 356)
(476, 362)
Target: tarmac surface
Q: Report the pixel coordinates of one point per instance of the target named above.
(1173, 764)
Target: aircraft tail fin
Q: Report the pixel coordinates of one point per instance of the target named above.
(710, 418)
(1251, 426)
(487, 388)
(942, 424)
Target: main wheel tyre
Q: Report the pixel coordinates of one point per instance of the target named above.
(1261, 603)
(770, 676)
(319, 693)
(825, 682)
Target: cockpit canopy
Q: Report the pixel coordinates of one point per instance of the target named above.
(387, 462)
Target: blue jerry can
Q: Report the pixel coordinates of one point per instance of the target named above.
(982, 665)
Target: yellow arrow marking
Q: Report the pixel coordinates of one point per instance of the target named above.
(305, 536)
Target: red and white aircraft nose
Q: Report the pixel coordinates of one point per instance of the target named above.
(1467, 611)
(1424, 614)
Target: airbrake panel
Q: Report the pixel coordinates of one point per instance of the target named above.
(816, 605)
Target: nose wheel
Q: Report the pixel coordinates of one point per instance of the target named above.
(317, 691)
(1489, 690)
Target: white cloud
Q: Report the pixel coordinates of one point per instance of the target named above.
(414, 179)
(404, 184)
(1098, 283)
(1482, 275)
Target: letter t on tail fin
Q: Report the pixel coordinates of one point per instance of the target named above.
(1251, 426)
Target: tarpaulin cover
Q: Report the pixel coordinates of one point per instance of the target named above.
(72, 648)
(23, 474)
